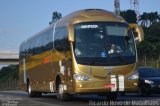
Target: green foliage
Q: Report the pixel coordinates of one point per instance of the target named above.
(147, 19)
(129, 16)
(151, 44)
(154, 33)
(55, 17)
(150, 22)
(9, 73)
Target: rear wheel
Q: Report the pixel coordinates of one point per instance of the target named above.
(33, 93)
(141, 92)
(38, 94)
(30, 92)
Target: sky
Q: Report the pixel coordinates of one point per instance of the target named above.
(20, 19)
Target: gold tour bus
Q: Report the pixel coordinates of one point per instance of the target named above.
(89, 51)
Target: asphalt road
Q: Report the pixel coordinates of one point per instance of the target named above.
(20, 98)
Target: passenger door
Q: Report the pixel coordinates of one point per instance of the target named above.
(69, 72)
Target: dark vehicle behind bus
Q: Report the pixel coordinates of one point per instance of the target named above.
(149, 81)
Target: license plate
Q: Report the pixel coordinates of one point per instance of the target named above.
(109, 85)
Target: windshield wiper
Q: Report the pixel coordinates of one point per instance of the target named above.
(83, 62)
(92, 62)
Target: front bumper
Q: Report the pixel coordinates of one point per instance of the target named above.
(153, 88)
(99, 86)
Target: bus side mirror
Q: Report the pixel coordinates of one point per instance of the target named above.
(138, 33)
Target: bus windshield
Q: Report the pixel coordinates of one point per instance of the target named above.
(104, 43)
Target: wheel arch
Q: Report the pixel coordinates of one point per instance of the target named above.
(57, 81)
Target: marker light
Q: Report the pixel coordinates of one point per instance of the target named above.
(109, 85)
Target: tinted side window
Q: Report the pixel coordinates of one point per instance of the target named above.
(30, 43)
(39, 44)
(22, 52)
(43, 42)
(48, 40)
(61, 39)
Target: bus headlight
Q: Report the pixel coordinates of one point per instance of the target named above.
(80, 77)
(134, 76)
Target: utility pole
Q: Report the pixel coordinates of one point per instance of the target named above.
(135, 6)
(117, 7)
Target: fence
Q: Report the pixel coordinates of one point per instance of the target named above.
(149, 62)
(8, 85)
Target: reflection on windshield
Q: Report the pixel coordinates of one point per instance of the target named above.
(104, 40)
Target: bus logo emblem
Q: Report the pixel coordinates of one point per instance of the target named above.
(108, 70)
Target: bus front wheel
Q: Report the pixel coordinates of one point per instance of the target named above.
(61, 94)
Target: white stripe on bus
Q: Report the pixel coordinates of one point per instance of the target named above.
(60, 63)
(24, 71)
(121, 82)
(51, 86)
(113, 81)
(62, 68)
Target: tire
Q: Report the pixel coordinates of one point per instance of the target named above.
(148, 94)
(38, 94)
(31, 93)
(60, 93)
(141, 92)
(112, 96)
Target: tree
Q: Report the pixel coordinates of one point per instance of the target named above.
(144, 19)
(145, 48)
(129, 16)
(9, 73)
(56, 16)
(147, 19)
(158, 50)
(152, 33)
